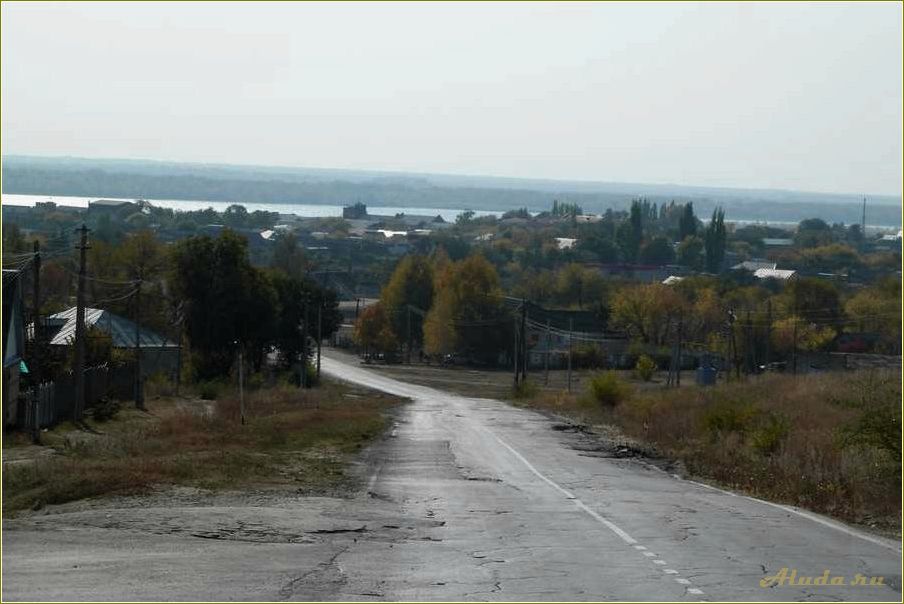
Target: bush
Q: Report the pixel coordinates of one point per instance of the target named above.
(104, 410)
(525, 390)
(767, 438)
(608, 390)
(208, 391)
(645, 368)
(728, 416)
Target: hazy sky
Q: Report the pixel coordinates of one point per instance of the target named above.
(761, 95)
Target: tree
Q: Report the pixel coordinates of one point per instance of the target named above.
(687, 224)
(467, 313)
(577, 284)
(811, 298)
(810, 336)
(373, 330)
(657, 250)
(225, 299)
(690, 252)
(235, 216)
(635, 231)
(288, 257)
(464, 217)
(646, 311)
(813, 232)
(411, 284)
(714, 241)
(601, 246)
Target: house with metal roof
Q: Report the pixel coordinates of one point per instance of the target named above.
(775, 273)
(157, 352)
(754, 265)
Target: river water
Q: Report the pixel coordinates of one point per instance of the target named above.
(305, 210)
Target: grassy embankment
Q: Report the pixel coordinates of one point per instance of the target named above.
(292, 439)
(827, 442)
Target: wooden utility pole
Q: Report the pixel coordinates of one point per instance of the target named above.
(408, 317)
(80, 325)
(523, 340)
(139, 391)
(515, 348)
(794, 348)
(304, 344)
(36, 359)
(242, 382)
(319, 334)
(546, 360)
(680, 345)
(570, 329)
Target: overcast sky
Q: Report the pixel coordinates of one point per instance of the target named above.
(753, 95)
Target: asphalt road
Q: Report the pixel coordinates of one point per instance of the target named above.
(466, 499)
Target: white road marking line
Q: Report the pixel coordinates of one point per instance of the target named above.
(608, 524)
(695, 591)
(682, 581)
(670, 571)
(803, 514)
(663, 562)
(649, 554)
(639, 547)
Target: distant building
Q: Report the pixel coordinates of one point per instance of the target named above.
(753, 265)
(775, 273)
(359, 210)
(565, 243)
(777, 242)
(111, 205)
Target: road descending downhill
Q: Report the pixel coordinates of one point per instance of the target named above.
(529, 514)
(464, 499)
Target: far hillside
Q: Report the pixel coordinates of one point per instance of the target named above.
(206, 182)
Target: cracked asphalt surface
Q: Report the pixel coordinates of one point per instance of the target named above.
(465, 499)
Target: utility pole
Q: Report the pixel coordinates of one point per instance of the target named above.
(523, 340)
(304, 345)
(242, 382)
(80, 326)
(680, 344)
(570, 329)
(515, 349)
(408, 317)
(319, 334)
(749, 353)
(794, 348)
(766, 360)
(36, 360)
(546, 360)
(139, 391)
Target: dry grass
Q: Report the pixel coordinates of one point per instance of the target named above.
(793, 440)
(291, 437)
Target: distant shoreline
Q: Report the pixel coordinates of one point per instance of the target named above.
(324, 210)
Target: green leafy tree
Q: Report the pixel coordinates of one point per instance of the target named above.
(690, 252)
(630, 233)
(658, 250)
(714, 238)
(226, 300)
(687, 224)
